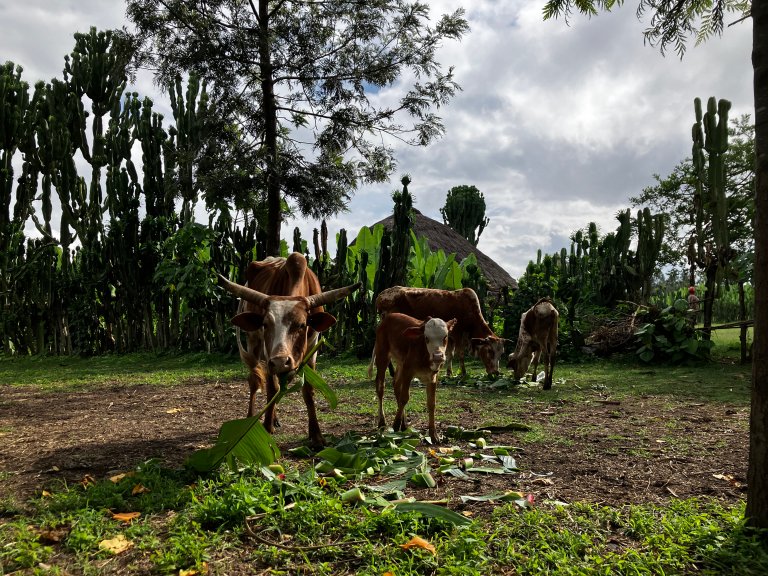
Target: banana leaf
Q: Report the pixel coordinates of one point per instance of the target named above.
(433, 511)
(244, 439)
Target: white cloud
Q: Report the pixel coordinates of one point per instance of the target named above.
(558, 125)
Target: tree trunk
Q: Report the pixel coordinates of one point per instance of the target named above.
(274, 212)
(742, 318)
(709, 299)
(757, 477)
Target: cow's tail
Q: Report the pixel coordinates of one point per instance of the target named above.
(370, 365)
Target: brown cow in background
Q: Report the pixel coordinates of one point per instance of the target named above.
(281, 309)
(537, 336)
(464, 306)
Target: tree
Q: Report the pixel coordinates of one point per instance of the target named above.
(300, 81)
(672, 23)
(464, 211)
(673, 195)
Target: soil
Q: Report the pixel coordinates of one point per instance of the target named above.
(636, 450)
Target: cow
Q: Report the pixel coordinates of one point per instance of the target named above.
(281, 310)
(537, 336)
(417, 348)
(464, 306)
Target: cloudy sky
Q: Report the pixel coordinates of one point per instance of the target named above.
(557, 125)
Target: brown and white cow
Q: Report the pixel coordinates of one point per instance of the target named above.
(281, 310)
(417, 348)
(537, 336)
(464, 306)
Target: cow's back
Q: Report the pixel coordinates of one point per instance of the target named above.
(421, 303)
(279, 276)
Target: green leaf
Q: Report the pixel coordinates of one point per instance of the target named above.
(316, 381)
(486, 470)
(423, 480)
(433, 511)
(245, 439)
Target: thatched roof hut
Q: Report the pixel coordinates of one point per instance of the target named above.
(442, 237)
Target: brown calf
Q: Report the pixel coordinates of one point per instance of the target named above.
(537, 336)
(281, 310)
(417, 348)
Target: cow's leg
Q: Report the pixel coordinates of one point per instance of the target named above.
(431, 393)
(381, 373)
(270, 413)
(402, 393)
(462, 353)
(254, 383)
(316, 439)
(536, 358)
(449, 356)
(550, 366)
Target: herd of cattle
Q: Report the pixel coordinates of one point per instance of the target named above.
(281, 312)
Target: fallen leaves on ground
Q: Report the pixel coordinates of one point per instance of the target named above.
(116, 545)
(418, 542)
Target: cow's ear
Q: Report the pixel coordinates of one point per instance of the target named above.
(248, 321)
(320, 321)
(414, 332)
(451, 323)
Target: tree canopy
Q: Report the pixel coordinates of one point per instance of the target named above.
(306, 86)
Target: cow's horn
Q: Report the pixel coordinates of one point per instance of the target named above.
(243, 292)
(331, 295)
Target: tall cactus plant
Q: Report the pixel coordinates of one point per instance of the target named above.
(401, 234)
(710, 249)
(464, 211)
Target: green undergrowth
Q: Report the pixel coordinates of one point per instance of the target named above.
(299, 521)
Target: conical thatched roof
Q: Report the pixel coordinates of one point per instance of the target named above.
(442, 237)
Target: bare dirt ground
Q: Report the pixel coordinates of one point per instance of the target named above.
(637, 450)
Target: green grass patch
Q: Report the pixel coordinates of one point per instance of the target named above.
(246, 519)
(57, 373)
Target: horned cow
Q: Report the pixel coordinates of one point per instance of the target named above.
(537, 336)
(464, 306)
(281, 310)
(417, 348)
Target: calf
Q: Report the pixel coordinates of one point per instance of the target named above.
(281, 310)
(464, 306)
(417, 348)
(537, 336)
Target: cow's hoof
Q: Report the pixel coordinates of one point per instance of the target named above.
(317, 443)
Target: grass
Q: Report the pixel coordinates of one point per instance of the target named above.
(251, 520)
(299, 525)
(73, 372)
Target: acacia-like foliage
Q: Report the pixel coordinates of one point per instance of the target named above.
(672, 22)
(313, 88)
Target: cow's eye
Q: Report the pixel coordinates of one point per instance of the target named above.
(298, 327)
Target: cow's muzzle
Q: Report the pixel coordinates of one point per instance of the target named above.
(438, 358)
(281, 365)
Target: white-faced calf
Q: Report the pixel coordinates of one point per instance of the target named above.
(417, 348)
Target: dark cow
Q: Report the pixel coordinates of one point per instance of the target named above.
(417, 348)
(537, 336)
(464, 306)
(281, 309)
